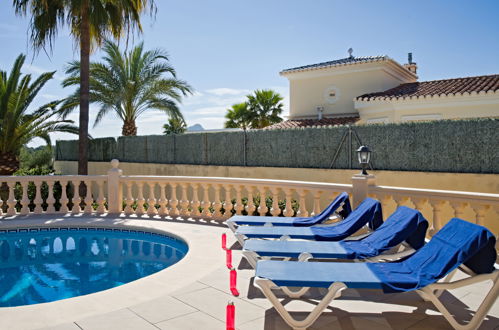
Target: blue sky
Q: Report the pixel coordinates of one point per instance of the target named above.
(227, 48)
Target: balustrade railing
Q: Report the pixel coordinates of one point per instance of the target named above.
(219, 198)
(52, 194)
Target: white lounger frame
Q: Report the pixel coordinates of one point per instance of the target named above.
(404, 250)
(431, 293)
(233, 226)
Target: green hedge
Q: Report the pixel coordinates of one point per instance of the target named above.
(440, 146)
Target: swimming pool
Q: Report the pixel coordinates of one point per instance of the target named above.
(46, 264)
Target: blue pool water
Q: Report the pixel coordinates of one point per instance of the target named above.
(40, 264)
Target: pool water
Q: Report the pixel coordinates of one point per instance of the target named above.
(40, 265)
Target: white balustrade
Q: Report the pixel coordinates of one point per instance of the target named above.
(219, 198)
(443, 204)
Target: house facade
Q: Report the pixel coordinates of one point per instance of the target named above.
(378, 89)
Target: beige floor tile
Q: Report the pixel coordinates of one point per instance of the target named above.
(65, 326)
(213, 302)
(190, 288)
(193, 321)
(122, 319)
(162, 309)
(272, 321)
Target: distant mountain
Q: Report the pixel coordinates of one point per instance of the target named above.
(195, 127)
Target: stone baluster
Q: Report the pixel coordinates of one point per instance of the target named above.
(140, 199)
(459, 208)
(262, 208)
(25, 199)
(184, 201)
(419, 203)
(317, 203)
(217, 204)
(250, 206)
(151, 201)
(288, 210)
(437, 206)
(228, 202)
(163, 201)
(385, 203)
(195, 199)
(174, 201)
(206, 201)
(400, 200)
(480, 211)
(129, 198)
(101, 200)
(50, 198)
(38, 197)
(239, 206)
(64, 197)
(89, 200)
(275, 210)
(76, 200)
(302, 210)
(11, 200)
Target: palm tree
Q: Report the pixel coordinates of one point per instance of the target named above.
(129, 83)
(18, 126)
(266, 106)
(239, 116)
(90, 22)
(175, 125)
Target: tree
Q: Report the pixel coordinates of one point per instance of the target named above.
(175, 125)
(128, 84)
(239, 116)
(266, 108)
(89, 22)
(18, 126)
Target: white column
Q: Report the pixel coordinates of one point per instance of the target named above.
(114, 190)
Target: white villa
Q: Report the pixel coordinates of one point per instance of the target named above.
(378, 89)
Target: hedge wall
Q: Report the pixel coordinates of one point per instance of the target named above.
(440, 146)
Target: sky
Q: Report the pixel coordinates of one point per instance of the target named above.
(228, 48)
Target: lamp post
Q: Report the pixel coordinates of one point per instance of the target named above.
(364, 156)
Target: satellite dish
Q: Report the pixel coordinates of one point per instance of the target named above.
(350, 52)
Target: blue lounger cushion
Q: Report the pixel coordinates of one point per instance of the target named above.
(368, 212)
(405, 224)
(342, 200)
(459, 242)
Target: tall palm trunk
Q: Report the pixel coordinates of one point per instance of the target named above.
(84, 88)
(9, 163)
(129, 128)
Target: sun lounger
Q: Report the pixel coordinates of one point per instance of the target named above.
(368, 212)
(341, 201)
(459, 244)
(399, 236)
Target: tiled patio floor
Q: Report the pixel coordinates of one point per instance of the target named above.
(201, 305)
(161, 302)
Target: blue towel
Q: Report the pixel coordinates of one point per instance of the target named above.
(342, 198)
(368, 212)
(326, 213)
(459, 242)
(404, 224)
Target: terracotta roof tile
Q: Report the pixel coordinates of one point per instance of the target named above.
(343, 61)
(297, 123)
(454, 86)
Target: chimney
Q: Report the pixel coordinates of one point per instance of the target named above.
(411, 66)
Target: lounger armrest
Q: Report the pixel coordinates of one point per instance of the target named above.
(494, 276)
(392, 256)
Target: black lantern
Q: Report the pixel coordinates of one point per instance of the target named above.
(364, 154)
